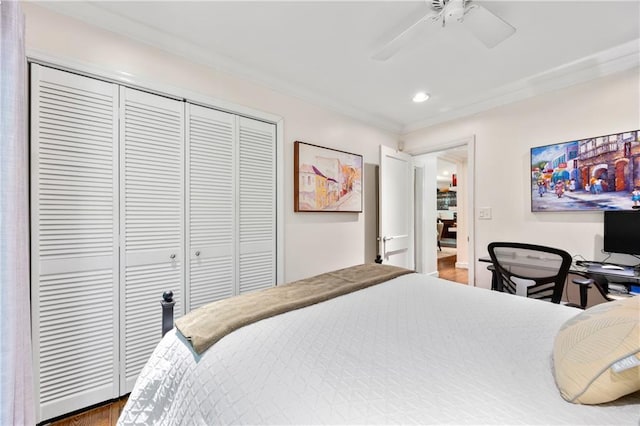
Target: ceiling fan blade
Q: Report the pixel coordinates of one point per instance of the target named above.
(402, 38)
(487, 27)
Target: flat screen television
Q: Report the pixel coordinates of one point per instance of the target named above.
(622, 231)
(596, 173)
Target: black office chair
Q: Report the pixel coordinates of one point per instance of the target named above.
(529, 270)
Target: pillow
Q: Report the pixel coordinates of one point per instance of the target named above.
(596, 354)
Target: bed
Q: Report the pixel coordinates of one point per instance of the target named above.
(411, 350)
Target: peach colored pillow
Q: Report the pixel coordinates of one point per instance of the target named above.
(596, 354)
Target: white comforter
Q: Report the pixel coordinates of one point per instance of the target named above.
(415, 349)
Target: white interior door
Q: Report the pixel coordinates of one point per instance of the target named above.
(74, 231)
(211, 213)
(396, 208)
(152, 221)
(256, 205)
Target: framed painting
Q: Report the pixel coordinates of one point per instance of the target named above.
(598, 173)
(326, 180)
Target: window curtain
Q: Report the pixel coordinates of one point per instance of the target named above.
(16, 392)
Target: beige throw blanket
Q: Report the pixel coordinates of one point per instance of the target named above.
(206, 325)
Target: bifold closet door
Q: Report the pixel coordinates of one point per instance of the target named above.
(74, 249)
(152, 221)
(257, 204)
(211, 219)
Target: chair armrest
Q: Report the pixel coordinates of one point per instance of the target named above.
(583, 281)
(585, 284)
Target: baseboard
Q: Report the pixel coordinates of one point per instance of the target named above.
(462, 265)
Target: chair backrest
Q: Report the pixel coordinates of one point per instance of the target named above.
(536, 271)
(439, 228)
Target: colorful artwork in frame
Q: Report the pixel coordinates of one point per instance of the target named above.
(326, 180)
(599, 173)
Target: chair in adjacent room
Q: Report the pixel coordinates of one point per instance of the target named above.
(439, 228)
(529, 270)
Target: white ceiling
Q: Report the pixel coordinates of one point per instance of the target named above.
(321, 51)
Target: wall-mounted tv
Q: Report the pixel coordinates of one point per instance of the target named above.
(598, 173)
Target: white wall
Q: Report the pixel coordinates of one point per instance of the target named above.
(314, 242)
(464, 215)
(317, 242)
(428, 245)
(503, 139)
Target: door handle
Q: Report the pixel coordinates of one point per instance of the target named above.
(389, 238)
(393, 237)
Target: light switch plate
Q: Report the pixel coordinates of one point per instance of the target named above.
(484, 213)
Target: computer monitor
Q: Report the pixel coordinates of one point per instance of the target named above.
(622, 231)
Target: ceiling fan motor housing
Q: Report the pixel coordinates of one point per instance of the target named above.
(450, 9)
(438, 4)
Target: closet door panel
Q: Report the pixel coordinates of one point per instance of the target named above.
(257, 205)
(152, 220)
(74, 225)
(210, 205)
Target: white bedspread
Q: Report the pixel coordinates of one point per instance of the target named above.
(413, 350)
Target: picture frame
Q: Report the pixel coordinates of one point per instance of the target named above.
(597, 173)
(326, 179)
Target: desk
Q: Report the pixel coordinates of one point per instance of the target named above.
(603, 276)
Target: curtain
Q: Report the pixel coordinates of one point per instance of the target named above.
(16, 392)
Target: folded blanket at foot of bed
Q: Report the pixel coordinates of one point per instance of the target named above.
(206, 325)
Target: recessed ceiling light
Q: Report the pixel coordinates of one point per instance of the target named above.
(420, 97)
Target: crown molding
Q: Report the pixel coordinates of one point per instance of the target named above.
(608, 62)
(157, 38)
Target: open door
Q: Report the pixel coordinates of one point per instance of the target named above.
(395, 234)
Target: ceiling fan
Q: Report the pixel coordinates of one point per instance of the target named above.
(483, 24)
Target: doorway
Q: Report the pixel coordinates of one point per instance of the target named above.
(445, 193)
(448, 162)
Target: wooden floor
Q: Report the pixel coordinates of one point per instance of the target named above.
(447, 270)
(105, 415)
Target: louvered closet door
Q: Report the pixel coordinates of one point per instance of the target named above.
(257, 205)
(152, 217)
(74, 205)
(211, 223)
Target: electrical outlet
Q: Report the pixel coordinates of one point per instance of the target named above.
(484, 213)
